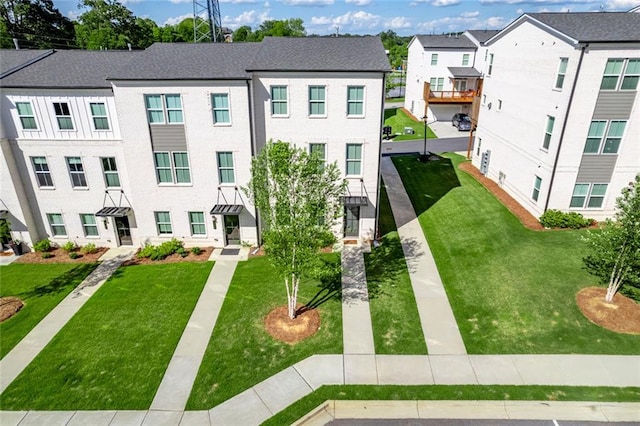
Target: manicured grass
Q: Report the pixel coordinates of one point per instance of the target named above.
(398, 120)
(512, 290)
(439, 392)
(41, 288)
(386, 223)
(241, 353)
(400, 99)
(115, 350)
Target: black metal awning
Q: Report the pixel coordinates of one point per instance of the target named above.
(113, 211)
(355, 201)
(226, 209)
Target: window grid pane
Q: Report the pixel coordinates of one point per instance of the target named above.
(163, 167)
(89, 225)
(63, 115)
(355, 100)
(76, 170)
(41, 168)
(110, 170)
(611, 74)
(56, 224)
(99, 113)
(316, 100)
(536, 188)
(354, 159)
(434, 59)
(181, 162)
(196, 221)
(163, 222)
(155, 112)
(580, 192)
(465, 59)
(27, 119)
(562, 70)
(225, 167)
(548, 132)
(279, 100)
(221, 108)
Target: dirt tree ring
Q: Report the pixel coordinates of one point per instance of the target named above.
(622, 315)
(282, 328)
(9, 306)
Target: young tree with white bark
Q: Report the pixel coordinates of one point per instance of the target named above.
(615, 249)
(298, 198)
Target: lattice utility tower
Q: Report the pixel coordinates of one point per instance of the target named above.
(207, 24)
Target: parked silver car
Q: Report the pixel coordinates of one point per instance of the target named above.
(461, 121)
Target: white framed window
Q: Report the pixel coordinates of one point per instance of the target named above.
(548, 132)
(197, 224)
(317, 100)
(621, 74)
(588, 195)
(110, 171)
(631, 75)
(221, 111)
(355, 101)
(26, 115)
(490, 69)
(279, 101)
(99, 115)
(43, 174)
(225, 167)
(163, 109)
(537, 183)
(172, 167)
(89, 225)
(163, 223)
(436, 84)
(76, 172)
(604, 136)
(562, 71)
(434, 59)
(354, 160)
(63, 115)
(465, 59)
(56, 224)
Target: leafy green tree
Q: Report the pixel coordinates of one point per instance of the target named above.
(615, 249)
(293, 27)
(242, 34)
(298, 197)
(107, 24)
(145, 32)
(36, 24)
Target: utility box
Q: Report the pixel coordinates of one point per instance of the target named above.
(484, 165)
(409, 131)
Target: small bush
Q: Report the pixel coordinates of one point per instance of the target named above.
(196, 250)
(558, 219)
(146, 251)
(89, 249)
(182, 252)
(42, 246)
(162, 251)
(46, 255)
(69, 246)
(74, 255)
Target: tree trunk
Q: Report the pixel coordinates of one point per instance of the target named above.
(292, 296)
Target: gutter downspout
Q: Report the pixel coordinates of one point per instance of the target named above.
(376, 231)
(253, 149)
(564, 127)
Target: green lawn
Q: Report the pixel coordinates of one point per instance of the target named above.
(41, 288)
(398, 120)
(241, 353)
(512, 290)
(394, 314)
(440, 392)
(115, 350)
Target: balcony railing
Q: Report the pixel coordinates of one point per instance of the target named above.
(453, 96)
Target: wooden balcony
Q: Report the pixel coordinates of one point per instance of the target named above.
(451, 97)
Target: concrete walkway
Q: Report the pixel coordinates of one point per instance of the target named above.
(181, 373)
(30, 346)
(357, 334)
(439, 325)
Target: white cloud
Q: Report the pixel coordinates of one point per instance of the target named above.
(233, 1)
(439, 3)
(249, 17)
(358, 2)
(180, 1)
(177, 19)
(621, 4)
(73, 15)
(461, 23)
(470, 14)
(350, 21)
(125, 2)
(397, 23)
(308, 2)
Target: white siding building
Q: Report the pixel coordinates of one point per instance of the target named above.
(139, 147)
(560, 114)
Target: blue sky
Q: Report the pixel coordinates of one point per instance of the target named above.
(405, 17)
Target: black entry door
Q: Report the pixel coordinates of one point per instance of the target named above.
(352, 221)
(232, 230)
(124, 231)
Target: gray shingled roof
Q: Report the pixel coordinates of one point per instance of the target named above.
(464, 72)
(594, 26)
(188, 61)
(13, 60)
(71, 68)
(445, 42)
(483, 35)
(321, 54)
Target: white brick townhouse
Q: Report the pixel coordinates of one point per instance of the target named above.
(452, 66)
(133, 147)
(560, 116)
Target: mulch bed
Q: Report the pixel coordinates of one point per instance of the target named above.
(174, 258)
(527, 219)
(622, 315)
(61, 256)
(282, 328)
(9, 306)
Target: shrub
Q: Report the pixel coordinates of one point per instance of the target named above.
(182, 252)
(42, 246)
(89, 249)
(146, 251)
(162, 251)
(69, 246)
(74, 255)
(46, 255)
(557, 219)
(196, 250)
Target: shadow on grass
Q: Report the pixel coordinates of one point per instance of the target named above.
(60, 283)
(426, 183)
(389, 261)
(329, 273)
(388, 113)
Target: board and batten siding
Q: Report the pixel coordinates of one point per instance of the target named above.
(614, 105)
(596, 168)
(168, 137)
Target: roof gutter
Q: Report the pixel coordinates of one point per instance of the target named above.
(564, 127)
